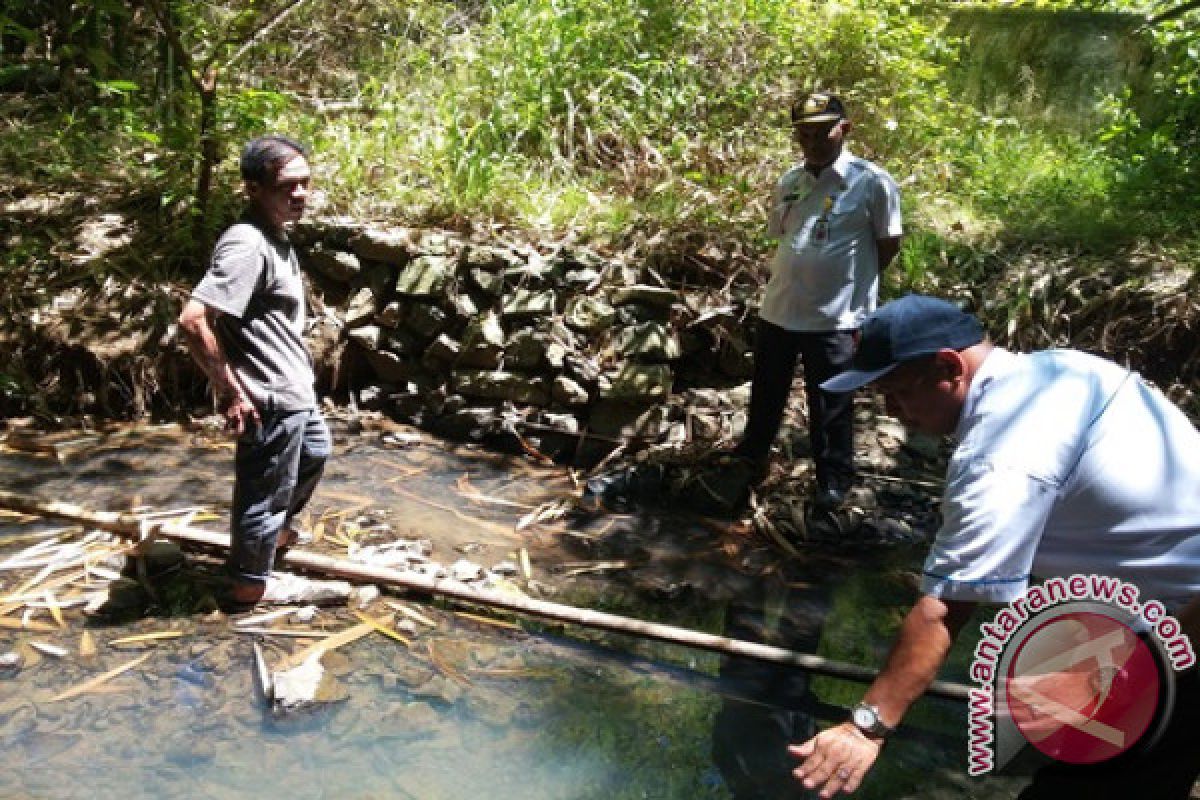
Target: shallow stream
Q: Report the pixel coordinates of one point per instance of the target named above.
(483, 706)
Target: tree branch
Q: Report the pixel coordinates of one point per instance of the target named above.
(1172, 13)
(265, 29)
(185, 58)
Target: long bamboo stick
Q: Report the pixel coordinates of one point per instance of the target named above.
(130, 525)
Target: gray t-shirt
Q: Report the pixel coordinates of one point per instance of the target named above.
(254, 279)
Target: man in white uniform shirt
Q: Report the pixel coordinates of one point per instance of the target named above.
(1066, 464)
(837, 218)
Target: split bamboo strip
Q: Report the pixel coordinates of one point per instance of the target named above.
(381, 628)
(87, 686)
(23, 625)
(131, 526)
(258, 619)
(146, 637)
(346, 636)
(295, 633)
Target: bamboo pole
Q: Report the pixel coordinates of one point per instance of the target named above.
(130, 525)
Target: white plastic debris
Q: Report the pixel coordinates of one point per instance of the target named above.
(465, 571)
(363, 596)
(297, 687)
(284, 588)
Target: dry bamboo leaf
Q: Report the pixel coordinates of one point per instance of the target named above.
(49, 649)
(410, 613)
(87, 645)
(267, 617)
(499, 623)
(20, 594)
(378, 625)
(346, 636)
(26, 625)
(445, 668)
(295, 633)
(146, 637)
(526, 567)
(547, 512)
(469, 492)
(55, 611)
(88, 686)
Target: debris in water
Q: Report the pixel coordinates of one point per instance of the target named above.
(145, 637)
(382, 628)
(49, 649)
(99, 680)
(10, 664)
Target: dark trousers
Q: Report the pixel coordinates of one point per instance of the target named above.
(830, 415)
(278, 466)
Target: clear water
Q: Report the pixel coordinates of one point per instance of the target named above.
(537, 712)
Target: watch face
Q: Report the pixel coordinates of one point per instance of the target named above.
(863, 718)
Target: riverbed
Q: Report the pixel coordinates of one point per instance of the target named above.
(477, 703)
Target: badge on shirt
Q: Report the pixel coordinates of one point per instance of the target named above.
(820, 233)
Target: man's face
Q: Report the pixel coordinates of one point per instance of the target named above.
(283, 200)
(820, 142)
(922, 396)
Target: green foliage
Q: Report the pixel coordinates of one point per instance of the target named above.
(623, 118)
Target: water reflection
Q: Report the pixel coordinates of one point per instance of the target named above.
(471, 710)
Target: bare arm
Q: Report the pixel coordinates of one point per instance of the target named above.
(837, 759)
(887, 250)
(196, 322)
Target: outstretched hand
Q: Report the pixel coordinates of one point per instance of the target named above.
(836, 759)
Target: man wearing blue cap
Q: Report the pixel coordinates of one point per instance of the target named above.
(1066, 464)
(837, 218)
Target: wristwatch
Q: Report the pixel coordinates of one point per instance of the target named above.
(866, 718)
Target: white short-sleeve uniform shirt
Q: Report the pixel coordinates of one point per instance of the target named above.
(825, 273)
(1067, 464)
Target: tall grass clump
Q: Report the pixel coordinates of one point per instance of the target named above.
(625, 113)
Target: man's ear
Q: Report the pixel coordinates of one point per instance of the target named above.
(251, 188)
(948, 365)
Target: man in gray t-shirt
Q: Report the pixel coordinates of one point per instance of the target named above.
(245, 327)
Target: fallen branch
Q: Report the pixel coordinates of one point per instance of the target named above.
(132, 526)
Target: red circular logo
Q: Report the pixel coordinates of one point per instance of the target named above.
(1082, 687)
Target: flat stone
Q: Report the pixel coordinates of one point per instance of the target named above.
(389, 316)
(367, 337)
(638, 382)
(426, 276)
(655, 296)
(337, 265)
(485, 329)
(441, 351)
(361, 308)
(617, 418)
(391, 367)
(437, 243)
(589, 314)
(529, 303)
(489, 259)
(534, 350)
(501, 385)
(566, 391)
(649, 342)
(490, 283)
(392, 246)
(483, 342)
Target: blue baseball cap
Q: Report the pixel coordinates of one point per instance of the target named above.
(902, 330)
